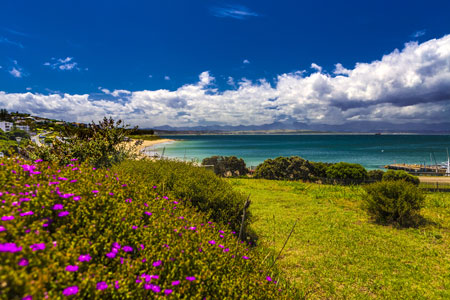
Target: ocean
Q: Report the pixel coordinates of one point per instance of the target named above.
(371, 151)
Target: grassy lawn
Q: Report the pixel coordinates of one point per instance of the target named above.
(337, 252)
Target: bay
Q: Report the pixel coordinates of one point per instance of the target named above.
(371, 151)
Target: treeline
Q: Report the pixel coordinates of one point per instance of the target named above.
(297, 168)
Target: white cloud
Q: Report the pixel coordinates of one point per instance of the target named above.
(316, 67)
(16, 72)
(230, 81)
(166, 77)
(150, 76)
(408, 85)
(63, 64)
(246, 61)
(238, 12)
(419, 33)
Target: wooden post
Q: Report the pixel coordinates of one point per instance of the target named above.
(246, 205)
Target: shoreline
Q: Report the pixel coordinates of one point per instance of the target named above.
(145, 144)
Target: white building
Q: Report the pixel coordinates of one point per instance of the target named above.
(6, 126)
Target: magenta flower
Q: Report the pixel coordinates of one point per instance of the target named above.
(226, 250)
(95, 191)
(2, 228)
(63, 214)
(212, 242)
(58, 207)
(7, 218)
(62, 178)
(190, 278)
(268, 278)
(168, 291)
(110, 255)
(38, 160)
(116, 285)
(176, 282)
(73, 181)
(245, 257)
(39, 246)
(84, 257)
(10, 247)
(155, 288)
(157, 263)
(28, 297)
(102, 285)
(134, 227)
(72, 268)
(71, 290)
(23, 262)
(127, 248)
(28, 213)
(74, 159)
(76, 198)
(148, 213)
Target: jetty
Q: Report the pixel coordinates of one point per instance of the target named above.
(417, 168)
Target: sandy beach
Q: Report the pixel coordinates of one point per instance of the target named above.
(145, 144)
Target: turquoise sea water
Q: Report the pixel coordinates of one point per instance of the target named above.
(371, 151)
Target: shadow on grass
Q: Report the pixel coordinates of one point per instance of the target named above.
(414, 221)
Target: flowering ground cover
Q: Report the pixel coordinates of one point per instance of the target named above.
(81, 233)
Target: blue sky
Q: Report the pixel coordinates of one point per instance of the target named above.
(150, 50)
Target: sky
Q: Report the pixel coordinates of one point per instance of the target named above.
(228, 63)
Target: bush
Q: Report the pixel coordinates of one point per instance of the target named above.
(394, 201)
(347, 172)
(375, 175)
(319, 169)
(100, 145)
(226, 166)
(101, 235)
(392, 175)
(282, 168)
(205, 191)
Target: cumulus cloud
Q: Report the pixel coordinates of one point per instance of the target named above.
(246, 61)
(166, 77)
(63, 64)
(15, 72)
(238, 12)
(407, 85)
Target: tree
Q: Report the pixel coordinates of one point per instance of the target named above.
(290, 168)
(100, 144)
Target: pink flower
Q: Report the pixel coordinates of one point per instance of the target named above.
(39, 246)
(102, 285)
(7, 218)
(168, 291)
(176, 282)
(72, 268)
(148, 213)
(95, 191)
(127, 248)
(76, 198)
(245, 257)
(23, 262)
(116, 285)
(190, 278)
(84, 257)
(157, 263)
(268, 278)
(28, 213)
(58, 207)
(212, 242)
(63, 214)
(71, 290)
(2, 228)
(10, 247)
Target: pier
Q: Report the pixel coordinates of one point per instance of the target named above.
(416, 168)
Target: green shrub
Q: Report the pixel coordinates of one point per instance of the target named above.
(375, 175)
(347, 172)
(105, 235)
(207, 192)
(319, 169)
(226, 166)
(284, 168)
(100, 145)
(392, 175)
(394, 201)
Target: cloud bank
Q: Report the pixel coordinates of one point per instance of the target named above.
(411, 85)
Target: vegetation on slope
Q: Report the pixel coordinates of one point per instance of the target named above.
(82, 233)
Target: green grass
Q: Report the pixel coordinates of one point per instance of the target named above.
(337, 252)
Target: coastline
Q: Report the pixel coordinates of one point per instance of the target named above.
(146, 144)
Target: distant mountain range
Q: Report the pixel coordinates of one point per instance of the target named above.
(355, 127)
